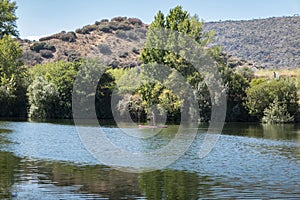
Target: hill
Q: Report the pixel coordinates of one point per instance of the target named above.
(270, 43)
(117, 41)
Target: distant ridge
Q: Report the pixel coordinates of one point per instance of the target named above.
(269, 43)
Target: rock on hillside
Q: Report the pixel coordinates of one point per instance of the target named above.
(270, 43)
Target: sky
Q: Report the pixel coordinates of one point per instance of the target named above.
(45, 17)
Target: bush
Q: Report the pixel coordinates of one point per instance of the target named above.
(104, 49)
(261, 97)
(31, 58)
(135, 21)
(121, 34)
(68, 37)
(105, 28)
(104, 21)
(114, 64)
(141, 32)
(61, 76)
(277, 112)
(43, 99)
(38, 46)
(246, 72)
(46, 53)
(135, 50)
(123, 54)
(124, 26)
(72, 55)
(86, 29)
(132, 35)
(118, 19)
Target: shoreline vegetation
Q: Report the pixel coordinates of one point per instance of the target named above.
(44, 91)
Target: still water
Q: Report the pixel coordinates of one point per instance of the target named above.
(48, 161)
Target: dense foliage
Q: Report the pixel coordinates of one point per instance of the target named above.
(12, 79)
(8, 18)
(56, 80)
(273, 101)
(45, 90)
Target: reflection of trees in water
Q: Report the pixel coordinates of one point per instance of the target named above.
(99, 180)
(171, 185)
(8, 166)
(280, 131)
(267, 131)
(102, 181)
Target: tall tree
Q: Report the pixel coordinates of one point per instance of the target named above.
(177, 20)
(8, 18)
(12, 79)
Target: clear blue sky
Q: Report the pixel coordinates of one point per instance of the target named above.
(45, 17)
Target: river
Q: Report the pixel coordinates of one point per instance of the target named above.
(43, 160)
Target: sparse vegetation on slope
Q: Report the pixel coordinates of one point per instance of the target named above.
(270, 43)
(109, 40)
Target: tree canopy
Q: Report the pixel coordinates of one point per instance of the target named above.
(8, 18)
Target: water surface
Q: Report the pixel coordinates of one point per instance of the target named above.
(48, 161)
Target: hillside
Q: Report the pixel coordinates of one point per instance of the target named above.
(117, 42)
(270, 43)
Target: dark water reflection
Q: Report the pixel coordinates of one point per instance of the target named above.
(47, 161)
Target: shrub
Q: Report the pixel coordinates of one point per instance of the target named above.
(46, 53)
(123, 54)
(86, 29)
(105, 28)
(114, 64)
(61, 76)
(121, 34)
(118, 19)
(43, 99)
(135, 21)
(246, 72)
(31, 58)
(72, 55)
(104, 49)
(124, 26)
(78, 30)
(54, 36)
(277, 112)
(135, 50)
(132, 35)
(68, 37)
(38, 46)
(104, 21)
(141, 32)
(261, 96)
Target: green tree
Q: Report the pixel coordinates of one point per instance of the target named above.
(180, 21)
(261, 96)
(277, 113)
(13, 79)
(177, 20)
(10, 52)
(92, 91)
(8, 18)
(44, 99)
(62, 75)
